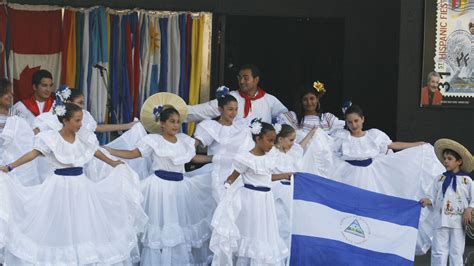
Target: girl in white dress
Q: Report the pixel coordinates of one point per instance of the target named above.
(288, 157)
(69, 220)
(16, 137)
(364, 158)
(310, 114)
(95, 168)
(224, 137)
(245, 226)
(180, 209)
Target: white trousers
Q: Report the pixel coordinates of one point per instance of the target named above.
(448, 242)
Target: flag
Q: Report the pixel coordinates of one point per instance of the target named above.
(3, 40)
(337, 224)
(39, 49)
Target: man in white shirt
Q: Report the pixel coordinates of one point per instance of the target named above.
(253, 102)
(41, 100)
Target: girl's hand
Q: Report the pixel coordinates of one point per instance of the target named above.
(425, 202)
(115, 163)
(467, 216)
(4, 169)
(131, 124)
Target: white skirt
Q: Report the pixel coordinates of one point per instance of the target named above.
(70, 220)
(180, 213)
(245, 230)
(283, 194)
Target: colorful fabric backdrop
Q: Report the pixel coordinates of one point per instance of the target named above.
(140, 52)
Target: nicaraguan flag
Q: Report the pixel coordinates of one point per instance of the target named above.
(337, 224)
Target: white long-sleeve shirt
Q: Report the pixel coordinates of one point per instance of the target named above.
(266, 108)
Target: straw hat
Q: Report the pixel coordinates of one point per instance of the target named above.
(467, 159)
(161, 100)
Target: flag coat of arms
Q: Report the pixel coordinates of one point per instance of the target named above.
(337, 224)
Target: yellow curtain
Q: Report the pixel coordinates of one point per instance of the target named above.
(196, 64)
(71, 54)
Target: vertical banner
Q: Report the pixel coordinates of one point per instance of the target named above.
(448, 63)
(39, 49)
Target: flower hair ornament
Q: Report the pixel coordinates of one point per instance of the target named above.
(222, 91)
(277, 128)
(346, 105)
(157, 109)
(256, 126)
(319, 87)
(62, 94)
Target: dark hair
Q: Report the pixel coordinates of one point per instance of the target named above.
(304, 90)
(5, 84)
(253, 68)
(285, 131)
(75, 93)
(354, 109)
(71, 109)
(39, 75)
(222, 101)
(453, 153)
(167, 112)
(265, 129)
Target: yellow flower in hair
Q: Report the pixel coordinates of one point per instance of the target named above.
(319, 87)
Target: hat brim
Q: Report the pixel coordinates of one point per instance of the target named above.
(467, 160)
(164, 99)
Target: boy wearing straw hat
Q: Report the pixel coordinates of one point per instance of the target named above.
(452, 198)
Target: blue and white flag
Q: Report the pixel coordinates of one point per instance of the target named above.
(337, 224)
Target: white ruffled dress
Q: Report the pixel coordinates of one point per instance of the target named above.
(223, 143)
(245, 226)
(68, 219)
(289, 162)
(16, 139)
(180, 212)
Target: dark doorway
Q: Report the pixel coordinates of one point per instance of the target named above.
(289, 52)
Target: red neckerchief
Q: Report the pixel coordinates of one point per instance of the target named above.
(248, 100)
(31, 104)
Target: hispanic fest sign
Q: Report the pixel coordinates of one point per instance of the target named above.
(453, 57)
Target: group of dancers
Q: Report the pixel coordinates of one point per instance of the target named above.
(65, 200)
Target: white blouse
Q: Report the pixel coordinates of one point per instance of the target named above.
(168, 156)
(372, 144)
(63, 154)
(49, 121)
(288, 162)
(255, 170)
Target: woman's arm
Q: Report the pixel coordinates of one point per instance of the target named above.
(202, 159)
(307, 138)
(99, 155)
(232, 177)
(27, 157)
(114, 127)
(124, 153)
(276, 177)
(404, 145)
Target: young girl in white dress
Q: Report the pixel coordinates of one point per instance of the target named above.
(68, 219)
(311, 114)
(16, 137)
(364, 158)
(95, 168)
(224, 137)
(288, 157)
(245, 226)
(180, 209)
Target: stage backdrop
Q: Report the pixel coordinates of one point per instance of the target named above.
(140, 52)
(448, 47)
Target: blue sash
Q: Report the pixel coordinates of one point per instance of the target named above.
(263, 189)
(70, 171)
(362, 163)
(170, 176)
